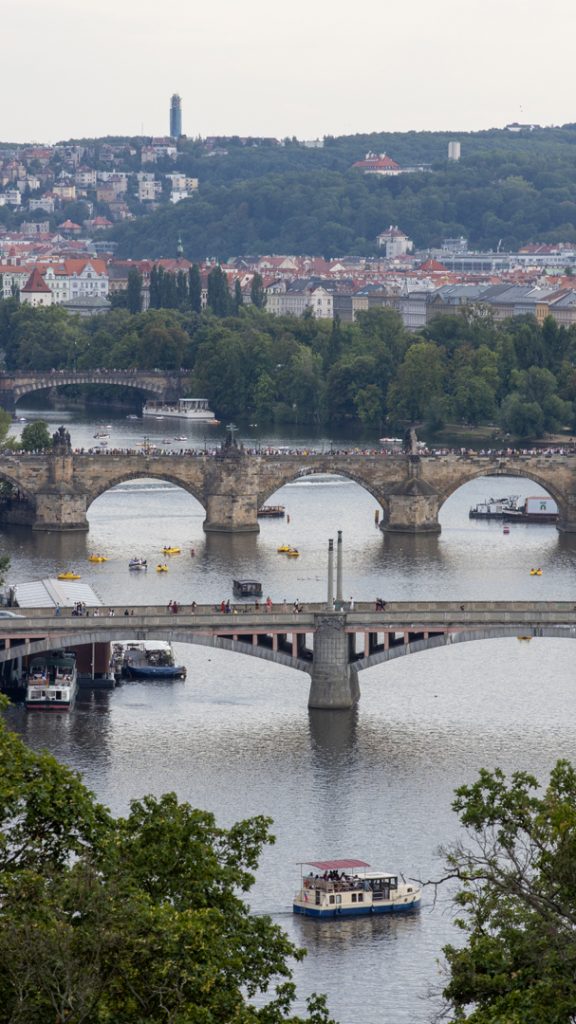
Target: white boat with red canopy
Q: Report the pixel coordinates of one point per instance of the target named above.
(350, 888)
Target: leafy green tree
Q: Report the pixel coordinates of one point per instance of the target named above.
(218, 294)
(136, 919)
(257, 293)
(238, 297)
(134, 291)
(195, 288)
(517, 898)
(5, 422)
(36, 437)
(420, 378)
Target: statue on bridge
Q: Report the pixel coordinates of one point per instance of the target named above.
(230, 446)
(61, 442)
(411, 442)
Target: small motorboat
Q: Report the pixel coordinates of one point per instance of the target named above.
(162, 568)
(101, 434)
(172, 550)
(97, 558)
(506, 529)
(69, 575)
(182, 437)
(137, 563)
(283, 549)
(349, 888)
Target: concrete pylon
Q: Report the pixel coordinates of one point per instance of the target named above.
(334, 680)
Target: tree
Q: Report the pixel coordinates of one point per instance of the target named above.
(195, 288)
(517, 875)
(134, 919)
(36, 437)
(257, 293)
(218, 294)
(238, 297)
(134, 291)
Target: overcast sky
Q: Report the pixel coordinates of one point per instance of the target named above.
(306, 68)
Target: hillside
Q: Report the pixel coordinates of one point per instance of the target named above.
(508, 187)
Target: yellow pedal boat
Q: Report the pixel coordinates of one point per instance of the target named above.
(161, 568)
(97, 558)
(283, 549)
(68, 576)
(535, 572)
(171, 551)
(293, 553)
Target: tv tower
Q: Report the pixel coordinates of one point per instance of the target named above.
(175, 117)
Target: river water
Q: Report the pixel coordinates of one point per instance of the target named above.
(237, 738)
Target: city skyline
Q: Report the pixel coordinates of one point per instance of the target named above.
(241, 71)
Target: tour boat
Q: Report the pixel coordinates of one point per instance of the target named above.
(52, 682)
(137, 563)
(184, 409)
(171, 550)
(97, 558)
(69, 576)
(351, 888)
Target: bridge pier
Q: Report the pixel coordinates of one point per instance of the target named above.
(231, 493)
(59, 507)
(412, 507)
(334, 680)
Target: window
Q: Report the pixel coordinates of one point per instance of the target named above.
(354, 897)
(331, 899)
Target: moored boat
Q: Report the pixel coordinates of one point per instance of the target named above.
(351, 888)
(537, 509)
(146, 659)
(52, 682)
(271, 512)
(494, 508)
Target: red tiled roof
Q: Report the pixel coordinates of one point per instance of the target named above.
(35, 283)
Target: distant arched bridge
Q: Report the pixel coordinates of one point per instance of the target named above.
(56, 490)
(163, 385)
(332, 646)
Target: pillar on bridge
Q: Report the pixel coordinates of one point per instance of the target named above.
(334, 680)
(231, 493)
(412, 507)
(60, 506)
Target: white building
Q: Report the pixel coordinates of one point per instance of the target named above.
(394, 242)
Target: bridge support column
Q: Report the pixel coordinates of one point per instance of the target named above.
(567, 515)
(231, 494)
(334, 680)
(412, 507)
(61, 512)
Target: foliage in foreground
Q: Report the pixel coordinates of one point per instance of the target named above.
(130, 920)
(518, 901)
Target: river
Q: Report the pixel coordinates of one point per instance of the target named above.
(236, 738)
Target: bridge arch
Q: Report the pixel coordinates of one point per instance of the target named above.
(474, 473)
(111, 635)
(123, 476)
(466, 636)
(286, 475)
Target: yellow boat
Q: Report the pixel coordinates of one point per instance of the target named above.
(68, 576)
(284, 549)
(535, 572)
(161, 568)
(293, 553)
(171, 551)
(97, 558)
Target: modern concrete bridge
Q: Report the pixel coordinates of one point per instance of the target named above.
(163, 386)
(54, 491)
(332, 647)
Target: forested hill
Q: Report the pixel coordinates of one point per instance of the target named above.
(508, 187)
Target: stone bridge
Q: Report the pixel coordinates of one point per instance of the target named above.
(54, 491)
(332, 647)
(163, 386)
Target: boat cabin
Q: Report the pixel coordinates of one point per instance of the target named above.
(247, 588)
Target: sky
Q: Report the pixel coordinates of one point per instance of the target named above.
(307, 68)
